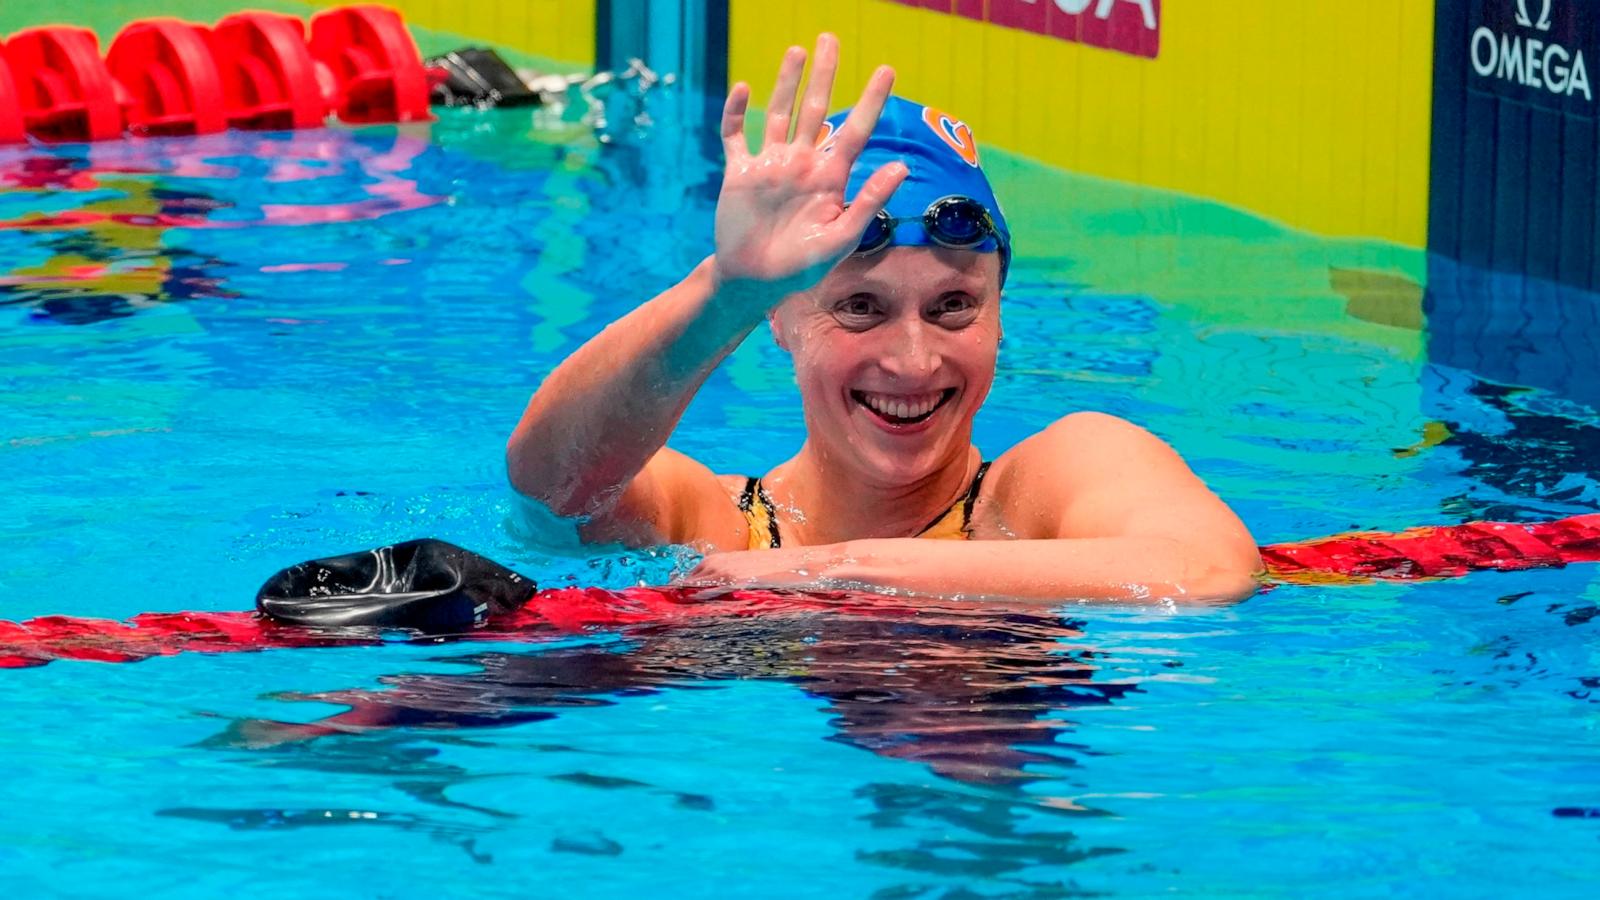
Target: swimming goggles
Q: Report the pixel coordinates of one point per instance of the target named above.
(960, 223)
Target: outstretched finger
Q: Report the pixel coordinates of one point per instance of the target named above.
(733, 142)
(864, 117)
(819, 90)
(780, 109)
(871, 199)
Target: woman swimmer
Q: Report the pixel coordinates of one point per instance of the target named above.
(872, 245)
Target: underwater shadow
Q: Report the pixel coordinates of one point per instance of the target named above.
(977, 697)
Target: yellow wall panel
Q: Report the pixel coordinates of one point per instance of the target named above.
(1000, 109)
(1411, 169)
(1320, 125)
(1347, 202)
(1311, 112)
(1381, 131)
(1055, 125)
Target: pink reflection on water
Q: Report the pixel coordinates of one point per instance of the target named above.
(306, 267)
(307, 156)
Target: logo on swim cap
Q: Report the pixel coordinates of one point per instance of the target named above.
(826, 136)
(953, 132)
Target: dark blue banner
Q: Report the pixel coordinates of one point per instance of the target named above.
(1513, 173)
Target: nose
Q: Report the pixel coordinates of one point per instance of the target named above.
(913, 353)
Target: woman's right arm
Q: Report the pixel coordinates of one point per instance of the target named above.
(599, 419)
(592, 441)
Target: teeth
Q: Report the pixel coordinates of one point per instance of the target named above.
(902, 407)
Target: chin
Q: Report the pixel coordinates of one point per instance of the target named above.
(905, 465)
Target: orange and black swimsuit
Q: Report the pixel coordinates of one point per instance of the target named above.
(954, 524)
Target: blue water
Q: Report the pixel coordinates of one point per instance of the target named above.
(326, 341)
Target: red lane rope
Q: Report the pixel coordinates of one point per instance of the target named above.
(548, 615)
(1436, 552)
(1418, 553)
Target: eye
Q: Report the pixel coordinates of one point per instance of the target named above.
(858, 311)
(954, 310)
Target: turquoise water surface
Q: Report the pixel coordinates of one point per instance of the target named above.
(223, 355)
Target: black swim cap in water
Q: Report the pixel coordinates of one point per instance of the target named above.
(427, 585)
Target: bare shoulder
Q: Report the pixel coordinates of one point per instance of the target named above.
(1084, 473)
(1083, 445)
(1091, 431)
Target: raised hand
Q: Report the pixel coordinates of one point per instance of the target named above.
(782, 223)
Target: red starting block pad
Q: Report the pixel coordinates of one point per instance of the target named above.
(268, 76)
(254, 70)
(377, 73)
(169, 78)
(65, 89)
(12, 130)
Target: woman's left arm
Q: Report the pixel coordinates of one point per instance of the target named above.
(1100, 508)
(1111, 568)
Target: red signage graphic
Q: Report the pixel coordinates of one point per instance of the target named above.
(1127, 26)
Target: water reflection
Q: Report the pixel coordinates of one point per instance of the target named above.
(463, 836)
(995, 840)
(106, 257)
(973, 700)
(981, 698)
(1526, 457)
(1514, 330)
(104, 223)
(1512, 383)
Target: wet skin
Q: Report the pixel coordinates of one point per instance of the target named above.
(906, 326)
(894, 353)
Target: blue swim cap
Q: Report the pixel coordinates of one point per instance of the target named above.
(942, 157)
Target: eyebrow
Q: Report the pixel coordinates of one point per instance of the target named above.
(971, 284)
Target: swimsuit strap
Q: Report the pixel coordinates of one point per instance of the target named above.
(955, 523)
(760, 514)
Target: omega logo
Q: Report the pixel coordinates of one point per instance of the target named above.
(1544, 15)
(1527, 60)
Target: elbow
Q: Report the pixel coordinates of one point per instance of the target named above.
(566, 505)
(516, 467)
(529, 480)
(1232, 586)
(1224, 580)
(1216, 573)
(567, 497)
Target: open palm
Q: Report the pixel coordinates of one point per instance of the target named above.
(782, 222)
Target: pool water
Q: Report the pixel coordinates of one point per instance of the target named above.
(226, 354)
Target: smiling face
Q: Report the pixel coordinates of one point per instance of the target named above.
(894, 353)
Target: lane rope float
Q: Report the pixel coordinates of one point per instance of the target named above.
(434, 591)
